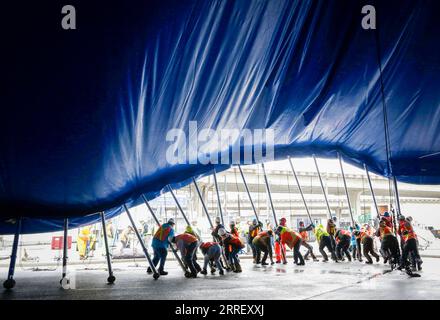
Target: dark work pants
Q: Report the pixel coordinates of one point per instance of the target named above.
(342, 247)
(390, 248)
(297, 256)
(326, 243)
(369, 249)
(266, 252)
(190, 258)
(309, 248)
(408, 247)
(160, 255)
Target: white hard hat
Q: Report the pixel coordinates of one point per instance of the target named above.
(221, 232)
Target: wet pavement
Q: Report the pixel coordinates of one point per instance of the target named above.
(316, 280)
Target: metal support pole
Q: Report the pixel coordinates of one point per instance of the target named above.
(178, 205)
(300, 190)
(322, 187)
(111, 278)
(218, 198)
(248, 193)
(64, 280)
(186, 272)
(346, 189)
(273, 210)
(10, 282)
(205, 209)
(372, 190)
(210, 221)
(396, 192)
(156, 275)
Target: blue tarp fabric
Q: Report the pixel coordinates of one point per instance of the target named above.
(85, 112)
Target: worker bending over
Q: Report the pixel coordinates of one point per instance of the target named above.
(160, 245)
(305, 238)
(324, 240)
(331, 230)
(368, 245)
(293, 240)
(389, 246)
(409, 240)
(254, 229)
(343, 238)
(187, 245)
(212, 252)
(263, 243)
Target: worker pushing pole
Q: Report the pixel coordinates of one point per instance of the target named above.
(371, 190)
(205, 209)
(156, 275)
(322, 187)
(218, 198)
(184, 269)
(248, 193)
(346, 190)
(10, 282)
(111, 278)
(283, 253)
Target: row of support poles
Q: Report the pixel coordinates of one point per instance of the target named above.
(205, 209)
(111, 278)
(10, 282)
(218, 198)
(322, 187)
(248, 192)
(141, 241)
(176, 255)
(346, 190)
(300, 190)
(283, 253)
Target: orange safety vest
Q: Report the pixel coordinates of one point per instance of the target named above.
(290, 238)
(304, 235)
(409, 234)
(344, 232)
(234, 232)
(162, 233)
(186, 238)
(255, 232)
(235, 242)
(385, 231)
(206, 245)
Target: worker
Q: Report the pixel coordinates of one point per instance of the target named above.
(293, 240)
(160, 243)
(305, 238)
(324, 240)
(233, 244)
(388, 219)
(368, 245)
(279, 246)
(212, 253)
(234, 229)
(218, 225)
(343, 238)
(263, 243)
(254, 229)
(125, 238)
(187, 244)
(415, 256)
(408, 236)
(82, 242)
(355, 244)
(331, 230)
(389, 246)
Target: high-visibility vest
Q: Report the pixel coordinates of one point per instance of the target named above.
(186, 238)
(385, 231)
(162, 233)
(254, 232)
(234, 241)
(289, 237)
(206, 245)
(407, 232)
(343, 232)
(304, 235)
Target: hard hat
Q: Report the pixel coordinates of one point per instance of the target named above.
(217, 220)
(188, 229)
(401, 217)
(386, 214)
(254, 222)
(409, 218)
(221, 232)
(283, 220)
(301, 223)
(232, 223)
(171, 221)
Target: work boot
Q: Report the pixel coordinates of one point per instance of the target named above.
(237, 268)
(264, 263)
(369, 262)
(213, 271)
(193, 275)
(278, 261)
(204, 272)
(315, 259)
(149, 270)
(419, 265)
(377, 259)
(385, 260)
(163, 273)
(221, 272)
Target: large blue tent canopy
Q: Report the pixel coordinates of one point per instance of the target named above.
(85, 113)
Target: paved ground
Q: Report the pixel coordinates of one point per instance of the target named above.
(313, 281)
